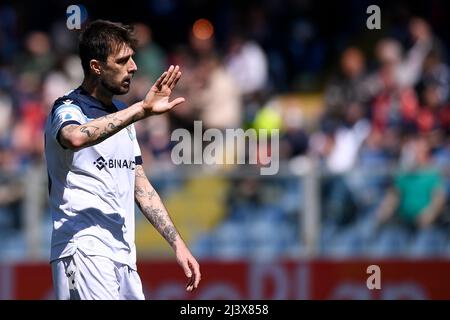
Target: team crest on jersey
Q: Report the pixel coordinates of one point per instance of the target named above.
(131, 134)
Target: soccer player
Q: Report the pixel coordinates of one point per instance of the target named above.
(95, 173)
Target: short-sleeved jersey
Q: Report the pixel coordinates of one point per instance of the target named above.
(91, 190)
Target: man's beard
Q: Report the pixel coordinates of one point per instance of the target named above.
(114, 89)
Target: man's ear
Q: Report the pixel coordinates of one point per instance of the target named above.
(95, 66)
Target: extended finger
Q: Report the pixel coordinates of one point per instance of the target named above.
(176, 80)
(175, 102)
(173, 75)
(168, 74)
(160, 79)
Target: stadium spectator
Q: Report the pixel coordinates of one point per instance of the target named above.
(346, 88)
(412, 206)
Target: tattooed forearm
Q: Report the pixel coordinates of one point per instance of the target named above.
(143, 193)
(161, 221)
(152, 207)
(139, 192)
(76, 137)
(113, 125)
(89, 130)
(140, 172)
(112, 117)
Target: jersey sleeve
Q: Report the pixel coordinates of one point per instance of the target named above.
(64, 115)
(136, 148)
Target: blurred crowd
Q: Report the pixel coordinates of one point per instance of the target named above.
(384, 140)
(381, 138)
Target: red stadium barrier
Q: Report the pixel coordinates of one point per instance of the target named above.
(315, 279)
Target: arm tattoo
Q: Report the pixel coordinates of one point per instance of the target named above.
(140, 172)
(141, 193)
(152, 207)
(110, 127)
(89, 130)
(143, 188)
(161, 221)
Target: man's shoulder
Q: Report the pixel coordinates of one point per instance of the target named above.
(70, 98)
(88, 105)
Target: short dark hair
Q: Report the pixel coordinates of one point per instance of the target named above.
(100, 38)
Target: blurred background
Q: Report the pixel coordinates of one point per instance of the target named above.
(364, 120)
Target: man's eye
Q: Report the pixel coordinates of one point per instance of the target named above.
(122, 61)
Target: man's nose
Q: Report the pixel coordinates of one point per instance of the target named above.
(132, 66)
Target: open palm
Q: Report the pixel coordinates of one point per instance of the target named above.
(157, 99)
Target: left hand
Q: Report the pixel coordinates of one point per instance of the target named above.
(190, 267)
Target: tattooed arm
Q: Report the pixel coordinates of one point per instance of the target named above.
(156, 101)
(76, 137)
(153, 209)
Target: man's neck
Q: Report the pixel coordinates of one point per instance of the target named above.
(93, 87)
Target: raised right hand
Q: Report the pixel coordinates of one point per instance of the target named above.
(157, 99)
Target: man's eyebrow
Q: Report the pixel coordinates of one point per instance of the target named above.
(126, 57)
